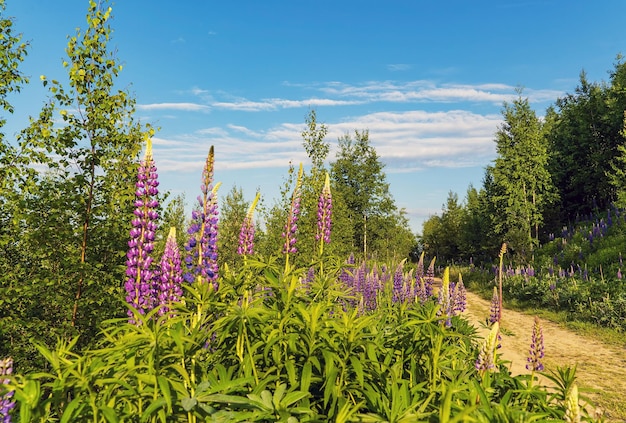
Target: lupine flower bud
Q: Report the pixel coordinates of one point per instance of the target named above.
(6, 402)
(486, 360)
(324, 214)
(572, 408)
(140, 282)
(291, 227)
(171, 276)
(246, 234)
(536, 348)
(445, 305)
(201, 248)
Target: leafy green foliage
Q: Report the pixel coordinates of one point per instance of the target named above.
(68, 206)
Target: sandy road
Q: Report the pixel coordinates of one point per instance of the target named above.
(600, 368)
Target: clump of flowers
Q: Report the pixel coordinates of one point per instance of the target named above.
(429, 279)
(170, 278)
(324, 215)
(536, 348)
(291, 227)
(246, 234)
(6, 401)
(201, 248)
(140, 275)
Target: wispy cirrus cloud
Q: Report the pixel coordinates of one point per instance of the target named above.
(278, 103)
(188, 107)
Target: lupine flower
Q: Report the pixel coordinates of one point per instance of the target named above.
(6, 402)
(486, 360)
(171, 275)
(460, 297)
(572, 408)
(201, 257)
(140, 275)
(619, 274)
(324, 215)
(429, 279)
(246, 235)
(291, 227)
(445, 305)
(398, 284)
(536, 348)
(494, 310)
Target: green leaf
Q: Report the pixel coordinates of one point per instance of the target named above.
(188, 403)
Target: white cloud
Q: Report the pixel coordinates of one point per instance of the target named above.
(189, 107)
(398, 67)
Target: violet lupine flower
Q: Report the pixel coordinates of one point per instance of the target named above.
(201, 256)
(6, 402)
(246, 234)
(494, 310)
(536, 348)
(460, 297)
(291, 227)
(171, 276)
(324, 215)
(429, 280)
(140, 275)
(398, 284)
(486, 360)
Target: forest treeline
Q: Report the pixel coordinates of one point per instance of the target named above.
(550, 172)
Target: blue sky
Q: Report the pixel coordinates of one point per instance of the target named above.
(426, 78)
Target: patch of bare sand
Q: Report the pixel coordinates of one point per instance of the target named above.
(599, 368)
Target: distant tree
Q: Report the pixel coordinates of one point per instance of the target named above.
(520, 172)
(584, 138)
(359, 179)
(432, 236)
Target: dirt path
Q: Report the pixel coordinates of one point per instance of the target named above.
(599, 367)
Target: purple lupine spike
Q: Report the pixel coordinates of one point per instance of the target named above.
(536, 348)
(291, 226)
(171, 276)
(201, 248)
(619, 274)
(324, 215)
(140, 274)
(398, 284)
(494, 309)
(246, 235)
(429, 279)
(460, 297)
(6, 401)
